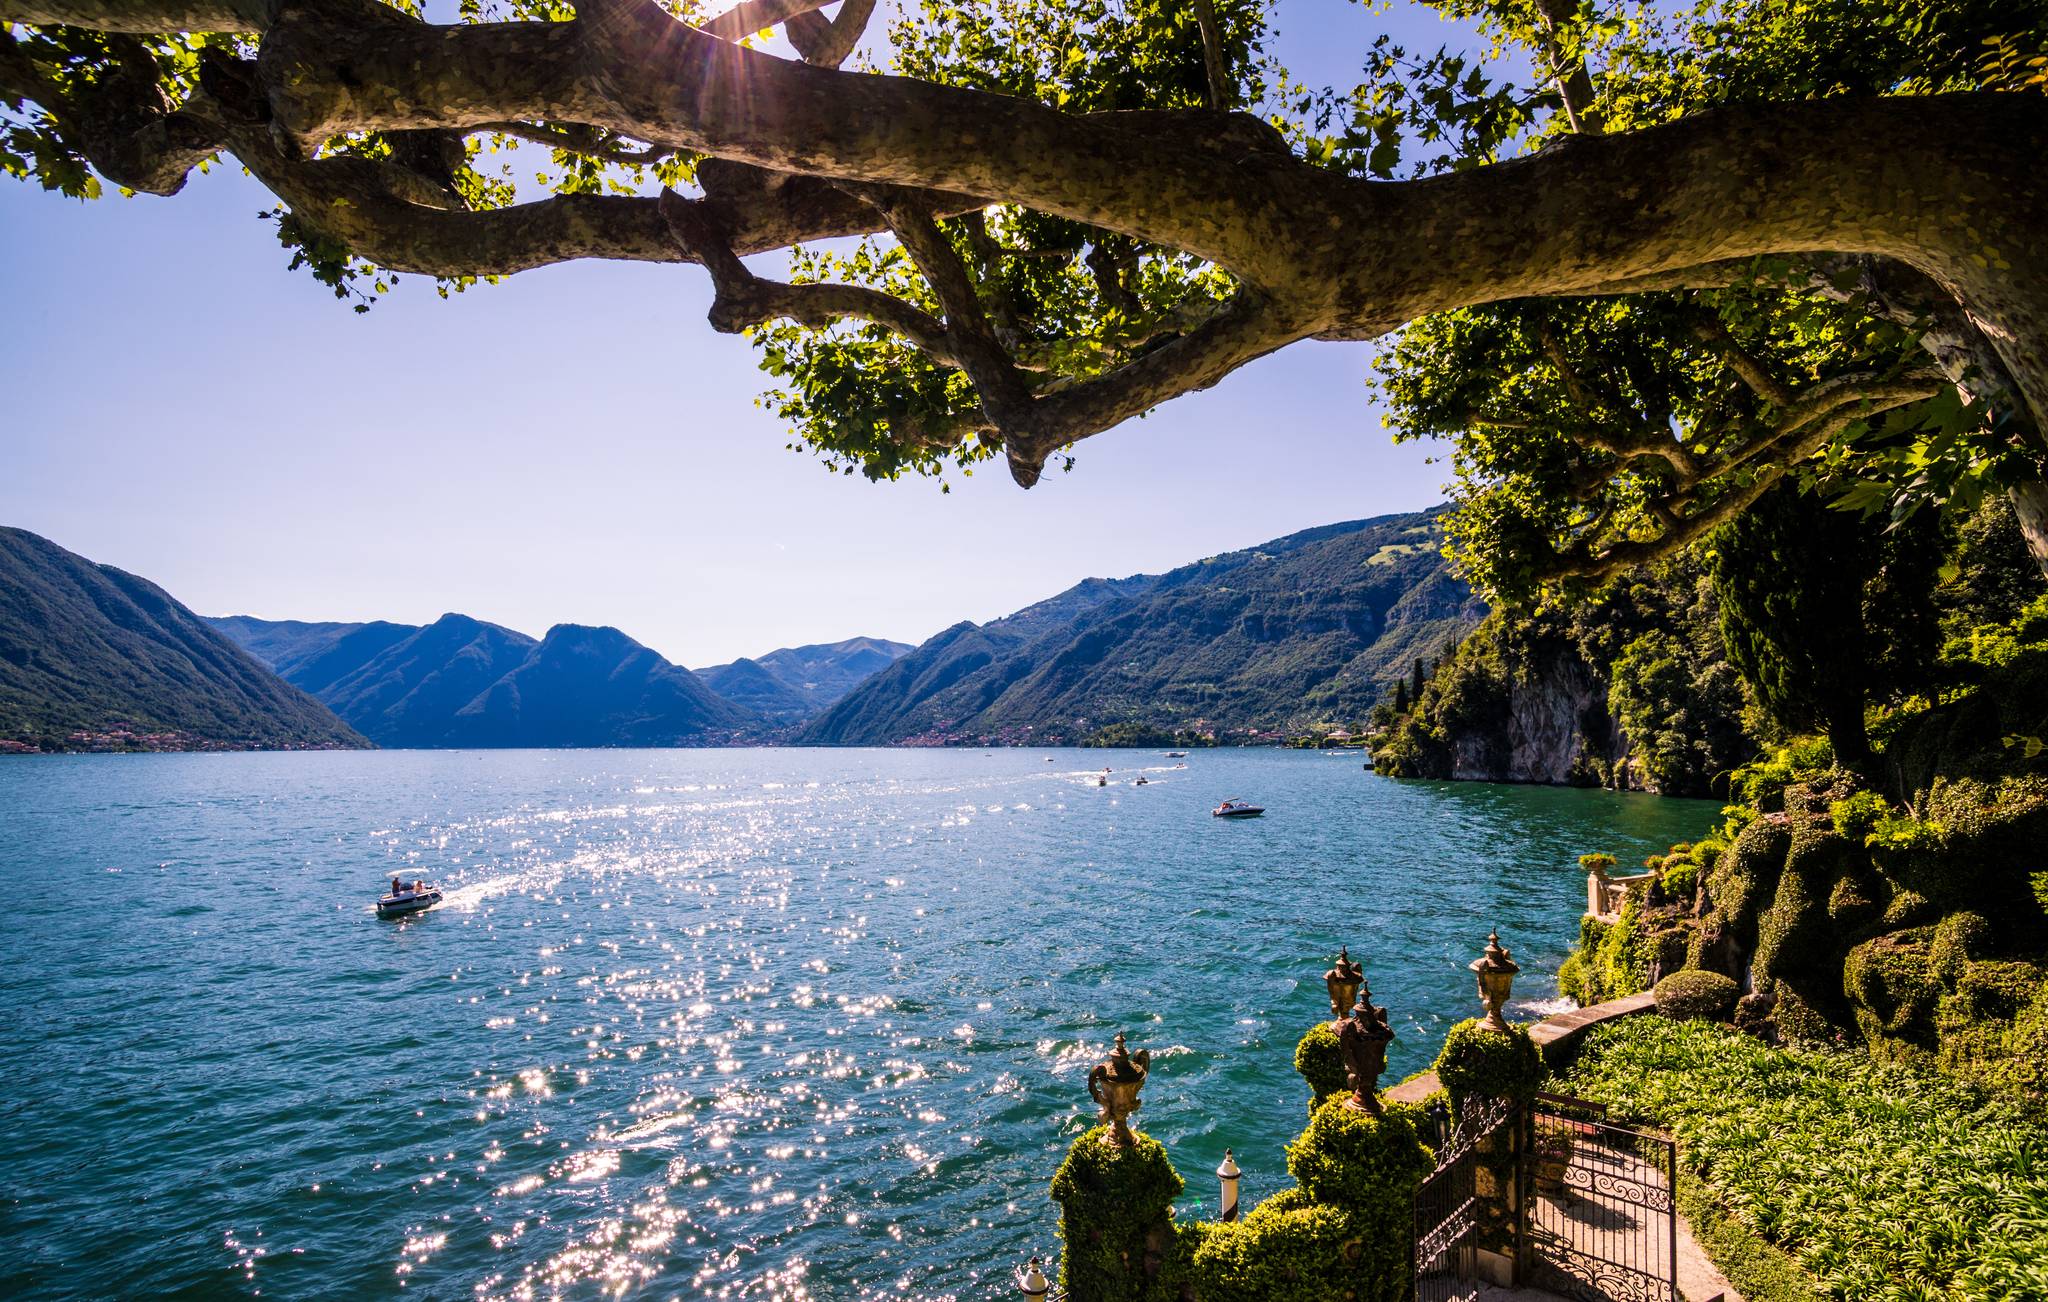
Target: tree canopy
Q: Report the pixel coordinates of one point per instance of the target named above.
(1644, 261)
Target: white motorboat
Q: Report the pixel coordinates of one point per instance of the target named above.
(408, 899)
(1235, 808)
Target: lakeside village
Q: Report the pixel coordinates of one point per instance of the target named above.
(130, 738)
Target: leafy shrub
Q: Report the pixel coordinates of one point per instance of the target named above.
(1350, 1157)
(1321, 1064)
(1683, 996)
(1480, 1063)
(1681, 878)
(1708, 852)
(1900, 832)
(1602, 862)
(1857, 816)
(1881, 1181)
(1762, 785)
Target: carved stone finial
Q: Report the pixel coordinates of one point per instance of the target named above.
(1496, 973)
(1343, 980)
(1114, 1084)
(1362, 1040)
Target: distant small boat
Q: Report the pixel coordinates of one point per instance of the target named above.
(1176, 754)
(1235, 808)
(1142, 782)
(399, 903)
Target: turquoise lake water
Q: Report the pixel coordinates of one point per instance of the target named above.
(737, 1024)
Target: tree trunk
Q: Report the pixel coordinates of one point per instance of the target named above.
(2030, 504)
(1847, 734)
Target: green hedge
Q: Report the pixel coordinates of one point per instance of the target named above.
(1344, 1231)
(1686, 995)
(1879, 1180)
(1115, 1210)
(1321, 1064)
(1479, 1063)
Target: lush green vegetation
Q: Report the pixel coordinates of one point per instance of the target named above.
(85, 648)
(1477, 1063)
(1146, 734)
(1248, 646)
(1344, 1230)
(1904, 906)
(1684, 996)
(1878, 1180)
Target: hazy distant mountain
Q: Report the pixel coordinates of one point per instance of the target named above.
(89, 649)
(462, 682)
(1307, 628)
(794, 683)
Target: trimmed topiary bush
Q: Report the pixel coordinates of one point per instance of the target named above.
(1115, 1217)
(1321, 1064)
(1479, 1063)
(1685, 996)
(1350, 1157)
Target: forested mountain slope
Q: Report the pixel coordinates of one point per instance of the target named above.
(92, 657)
(1238, 647)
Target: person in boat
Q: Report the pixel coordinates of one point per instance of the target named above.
(419, 885)
(395, 887)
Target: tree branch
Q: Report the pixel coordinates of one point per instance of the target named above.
(556, 138)
(742, 299)
(141, 17)
(826, 43)
(1212, 55)
(1740, 360)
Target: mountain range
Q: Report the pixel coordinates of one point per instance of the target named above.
(94, 658)
(1246, 646)
(791, 685)
(1241, 647)
(462, 682)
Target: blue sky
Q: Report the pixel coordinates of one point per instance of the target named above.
(576, 445)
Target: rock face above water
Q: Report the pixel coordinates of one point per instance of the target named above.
(1630, 689)
(94, 658)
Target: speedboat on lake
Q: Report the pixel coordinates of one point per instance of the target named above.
(407, 900)
(1176, 754)
(1235, 808)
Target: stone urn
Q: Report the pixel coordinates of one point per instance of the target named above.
(1343, 979)
(1362, 1040)
(1114, 1084)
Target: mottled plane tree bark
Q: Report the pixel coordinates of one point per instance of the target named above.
(1197, 239)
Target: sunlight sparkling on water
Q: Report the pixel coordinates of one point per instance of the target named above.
(696, 1024)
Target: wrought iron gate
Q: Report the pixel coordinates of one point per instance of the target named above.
(1598, 1216)
(1447, 1205)
(1594, 1214)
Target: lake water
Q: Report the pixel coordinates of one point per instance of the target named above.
(736, 1024)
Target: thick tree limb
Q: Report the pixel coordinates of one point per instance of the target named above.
(1946, 184)
(751, 16)
(743, 299)
(142, 17)
(825, 43)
